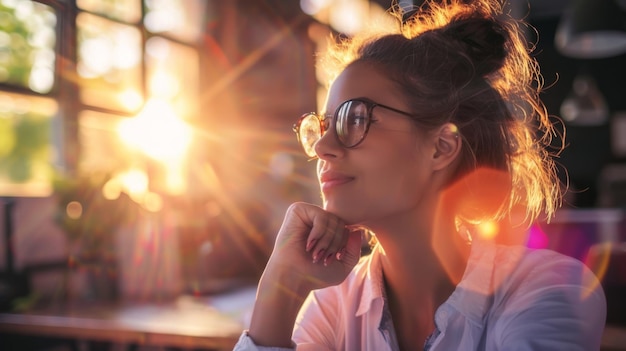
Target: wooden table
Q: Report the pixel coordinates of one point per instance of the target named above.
(186, 323)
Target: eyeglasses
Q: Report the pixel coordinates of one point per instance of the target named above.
(352, 122)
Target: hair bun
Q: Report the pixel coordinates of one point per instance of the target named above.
(483, 41)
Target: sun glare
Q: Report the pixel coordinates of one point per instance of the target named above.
(175, 181)
(135, 183)
(131, 99)
(157, 131)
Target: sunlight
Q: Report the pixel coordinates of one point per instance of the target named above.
(135, 183)
(164, 85)
(97, 59)
(130, 99)
(175, 181)
(157, 131)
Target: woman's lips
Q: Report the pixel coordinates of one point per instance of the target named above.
(332, 180)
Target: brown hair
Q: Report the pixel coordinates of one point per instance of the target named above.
(468, 64)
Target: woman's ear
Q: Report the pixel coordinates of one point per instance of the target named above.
(448, 145)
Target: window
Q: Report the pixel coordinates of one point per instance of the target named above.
(75, 73)
(28, 111)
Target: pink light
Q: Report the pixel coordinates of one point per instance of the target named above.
(537, 239)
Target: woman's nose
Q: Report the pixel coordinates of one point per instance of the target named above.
(328, 146)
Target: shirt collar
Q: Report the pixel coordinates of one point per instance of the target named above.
(373, 288)
(472, 296)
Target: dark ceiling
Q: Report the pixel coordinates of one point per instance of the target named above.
(544, 8)
(539, 9)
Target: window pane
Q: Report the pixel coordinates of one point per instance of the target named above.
(123, 10)
(27, 144)
(109, 63)
(180, 19)
(173, 75)
(27, 42)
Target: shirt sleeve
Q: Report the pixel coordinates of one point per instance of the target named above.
(317, 325)
(559, 306)
(314, 329)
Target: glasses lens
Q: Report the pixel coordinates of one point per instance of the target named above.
(309, 132)
(352, 122)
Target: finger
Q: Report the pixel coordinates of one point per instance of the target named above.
(352, 251)
(325, 231)
(342, 252)
(307, 219)
(318, 230)
(322, 227)
(326, 244)
(336, 240)
(340, 239)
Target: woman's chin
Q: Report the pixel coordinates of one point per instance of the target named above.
(346, 213)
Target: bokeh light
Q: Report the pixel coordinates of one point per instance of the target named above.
(28, 39)
(74, 209)
(537, 239)
(112, 189)
(152, 202)
(313, 7)
(346, 16)
(131, 99)
(135, 183)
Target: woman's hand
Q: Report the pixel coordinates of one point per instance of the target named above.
(315, 246)
(314, 249)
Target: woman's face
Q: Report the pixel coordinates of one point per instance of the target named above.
(388, 174)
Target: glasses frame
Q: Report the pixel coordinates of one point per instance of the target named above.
(324, 127)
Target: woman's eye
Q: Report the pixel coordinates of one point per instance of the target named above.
(356, 120)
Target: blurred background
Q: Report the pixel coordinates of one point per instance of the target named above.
(146, 148)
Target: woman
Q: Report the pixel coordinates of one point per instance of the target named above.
(431, 135)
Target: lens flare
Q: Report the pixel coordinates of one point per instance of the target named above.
(597, 259)
(537, 239)
(487, 230)
(473, 203)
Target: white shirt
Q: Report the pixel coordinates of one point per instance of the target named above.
(510, 298)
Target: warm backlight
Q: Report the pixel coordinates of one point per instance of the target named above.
(157, 131)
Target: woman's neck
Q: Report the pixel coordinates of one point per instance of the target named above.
(414, 271)
(419, 276)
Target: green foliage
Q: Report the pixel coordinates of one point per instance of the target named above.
(24, 142)
(7, 136)
(17, 66)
